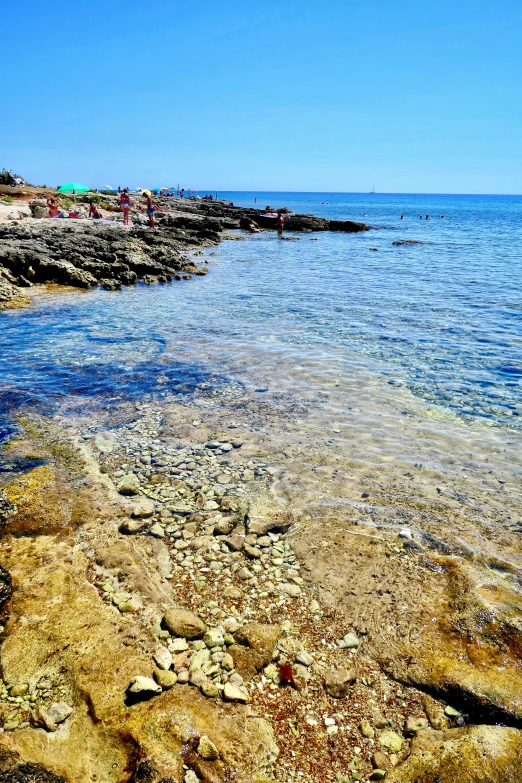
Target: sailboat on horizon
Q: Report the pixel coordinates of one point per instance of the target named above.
(372, 190)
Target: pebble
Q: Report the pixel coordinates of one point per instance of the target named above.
(209, 689)
(289, 589)
(129, 485)
(391, 740)
(304, 658)
(206, 749)
(413, 725)
(351, 641)
(143, 509)
(141, 684)
(163, 658)
(406, 533)
(366, 729)
(451, 712)
(233, 693)
(181, 622)
(214, 637)
(157, 531)
(178, 645)
(165, 678)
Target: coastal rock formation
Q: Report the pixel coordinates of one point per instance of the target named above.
(86, 254)
(474, 754)
(430, 620)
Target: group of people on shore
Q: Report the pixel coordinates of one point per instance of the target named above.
(125, 205)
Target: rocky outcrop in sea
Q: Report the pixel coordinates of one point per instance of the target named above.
(86, 254)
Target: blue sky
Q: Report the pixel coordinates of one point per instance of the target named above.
(293, 95)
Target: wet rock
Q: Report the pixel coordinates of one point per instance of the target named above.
(163, 658)
(143, 685)
(25, 772)
(451, 712)
(7, 508)
(246, 662)
(131, 527)
(165, 678)
(473, 754)
(206, 749)
(181, 622)
(51, 717)
(225, 526)
(129, 485)
(391, 741)
(413, 725)
(260, 637)
(210, 689)
(232, 693)
(380, 760)
(143, 509)
(337, 682)
(351, 641)
(214, 637)
(366, 729)
(236, 543)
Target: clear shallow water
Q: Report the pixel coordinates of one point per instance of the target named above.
(443, 317)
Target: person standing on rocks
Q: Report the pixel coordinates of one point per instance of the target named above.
(150, 208)
(280, 224)
(125, 204)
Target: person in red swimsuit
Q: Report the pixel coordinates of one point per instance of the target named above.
(125, 204)
(53, 207)
(94, 212)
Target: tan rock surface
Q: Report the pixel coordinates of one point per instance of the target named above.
(60, 626)
(424, 616)
(475, 754)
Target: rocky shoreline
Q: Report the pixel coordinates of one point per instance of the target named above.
(87, 253)
(164, 610)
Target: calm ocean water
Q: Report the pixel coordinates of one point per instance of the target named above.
(443, 318)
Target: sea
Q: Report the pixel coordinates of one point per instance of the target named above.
(399, 354)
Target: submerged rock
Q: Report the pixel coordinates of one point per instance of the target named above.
(129, 485)
(207, 749)
(337, 683)
(143, 685)
(181, 622)
(473, 754)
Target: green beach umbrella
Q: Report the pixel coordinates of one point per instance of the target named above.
(74, 188)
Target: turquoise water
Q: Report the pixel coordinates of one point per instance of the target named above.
(443, 318)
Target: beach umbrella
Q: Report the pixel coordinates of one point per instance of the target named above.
(74, 188)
